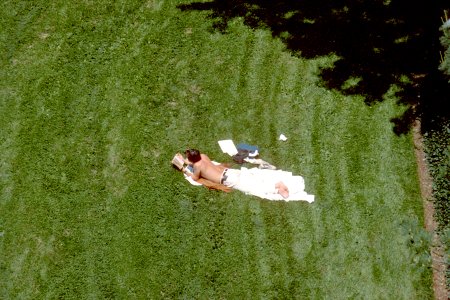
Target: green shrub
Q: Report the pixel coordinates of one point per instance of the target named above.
(445, 41)
(437, 142)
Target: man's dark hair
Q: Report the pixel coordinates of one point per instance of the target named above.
(193, 155)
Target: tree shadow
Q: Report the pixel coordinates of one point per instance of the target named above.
(379, 44)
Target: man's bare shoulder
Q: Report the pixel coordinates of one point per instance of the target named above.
(205, 157)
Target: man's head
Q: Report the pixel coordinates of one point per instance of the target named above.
(193, 155)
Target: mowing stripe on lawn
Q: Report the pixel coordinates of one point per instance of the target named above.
(96, 99)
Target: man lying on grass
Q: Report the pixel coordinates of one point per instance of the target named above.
(203, 167)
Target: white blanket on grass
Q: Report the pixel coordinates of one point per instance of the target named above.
(261, 183)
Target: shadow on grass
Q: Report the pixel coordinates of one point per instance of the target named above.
(379, 43)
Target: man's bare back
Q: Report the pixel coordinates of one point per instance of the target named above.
(205, 168)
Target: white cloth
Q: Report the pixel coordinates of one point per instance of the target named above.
(233, 177)
(261, 183)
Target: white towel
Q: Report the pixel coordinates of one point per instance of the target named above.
(261, 183)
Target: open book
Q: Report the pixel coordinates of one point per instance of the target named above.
(178, 161)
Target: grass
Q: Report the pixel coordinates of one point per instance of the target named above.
(96, 97)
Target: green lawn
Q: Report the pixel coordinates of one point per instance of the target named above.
(96, 98)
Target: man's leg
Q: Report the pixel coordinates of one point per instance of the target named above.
(282, 189)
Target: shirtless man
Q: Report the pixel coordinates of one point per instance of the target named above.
(204, 168)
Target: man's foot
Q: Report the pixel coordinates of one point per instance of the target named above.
(284, 194)
(282, 189)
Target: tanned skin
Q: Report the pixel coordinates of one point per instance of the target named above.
(204, 168)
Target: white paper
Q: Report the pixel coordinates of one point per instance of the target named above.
(228, 147)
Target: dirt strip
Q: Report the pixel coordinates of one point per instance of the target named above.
(437, 250)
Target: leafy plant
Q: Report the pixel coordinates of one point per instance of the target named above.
(445, 41)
